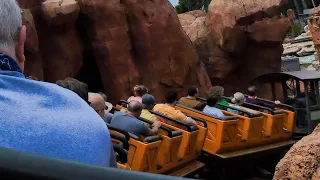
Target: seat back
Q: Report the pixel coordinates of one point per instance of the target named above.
(187, 149)
(167, 157)
(273, 121)
(222, 136)
(142, 155)
(143, 151)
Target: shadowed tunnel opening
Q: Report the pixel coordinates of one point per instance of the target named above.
(89, 72)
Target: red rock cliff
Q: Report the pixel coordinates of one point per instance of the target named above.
(129, 42)
(238, 40)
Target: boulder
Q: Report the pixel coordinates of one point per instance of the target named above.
(238, 40)
(302, 160)
(61, 46)
(314, 24)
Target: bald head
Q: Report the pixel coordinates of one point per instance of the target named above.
(97, 103)
(135, 108)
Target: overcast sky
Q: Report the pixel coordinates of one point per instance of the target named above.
(174, 2)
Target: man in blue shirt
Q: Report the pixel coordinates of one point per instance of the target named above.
(129, 122)
(211, 109)
(44, 118)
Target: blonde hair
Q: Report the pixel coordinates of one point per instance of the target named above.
(140, 90)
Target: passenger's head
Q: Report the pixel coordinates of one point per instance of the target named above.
(238, 98)
(171, 97)
(76, 86)
(148, 101)
(193, 91)
(140, 90)
(104, 96)
(134, 108)
(212, 101)
(217, 91)
(252, 91)
(12, 33)
(97, 103)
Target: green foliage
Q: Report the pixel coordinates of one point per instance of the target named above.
(190, 5)
(296, 30)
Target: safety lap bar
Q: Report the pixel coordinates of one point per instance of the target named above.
(195, 118)
(125, 133)
(122, 139)
(225, 118)
(230, 118)
(123, 157)
(168, 130)
(285, 106)
(254, 106)
(151, 139)
(189, 128)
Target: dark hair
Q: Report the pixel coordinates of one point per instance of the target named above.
(252, 91)
(171, 97)
(76, 86)
(192, 91)
(212, 101)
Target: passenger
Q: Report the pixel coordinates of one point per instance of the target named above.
(211, 108)
(252, 99)
(169, 110)
(43, 118)
(107, 115)
(97, 103)
(191, 100)
(237, 100)
(139, 91)
(148, 102)
(76, 86)
(218, 92)
(128, 121)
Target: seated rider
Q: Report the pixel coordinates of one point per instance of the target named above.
(211, 108)
(237, 100)
(107, 115)
(139, 91)
(43, 118)
(148, 103)
(169, 110)
(128, 121)
(252, 99)
(218, 92)
(191, 100)
(76, 86)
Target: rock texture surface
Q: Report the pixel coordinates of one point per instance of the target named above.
(129, 42)
(238, 40)
(314, 27)
(302, 160)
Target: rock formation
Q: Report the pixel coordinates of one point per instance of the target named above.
(302, 160)
(128, 42)
(314, 27)
(238, 40)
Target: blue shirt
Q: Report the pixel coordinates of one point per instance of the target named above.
(130, 124)
(107, 118)
(213, 111)
(46, 119)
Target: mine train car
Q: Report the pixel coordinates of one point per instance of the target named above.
(177, 148)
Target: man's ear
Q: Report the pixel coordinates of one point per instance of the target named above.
(20, 46)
